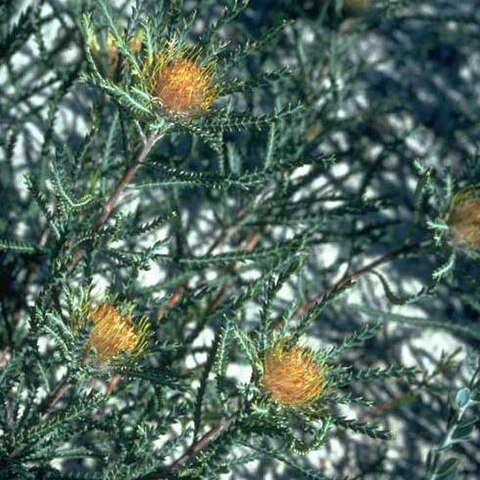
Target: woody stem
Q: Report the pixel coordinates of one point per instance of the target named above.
(126, 178)
(213, 434)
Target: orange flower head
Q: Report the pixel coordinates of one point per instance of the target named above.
(179, 84)
(113, 334)
(292, 376)
(464, 219)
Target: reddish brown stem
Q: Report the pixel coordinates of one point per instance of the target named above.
(127, 177)
(112, 201)
(353, 276)
(212, 435)
(142, 153)
(113, 384)
(203, 442)
(53, 399)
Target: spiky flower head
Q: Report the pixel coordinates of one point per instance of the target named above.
(114, 333)
(464, 218)
(291, 375)
(179, 83)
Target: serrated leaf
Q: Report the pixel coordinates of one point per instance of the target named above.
(357, 339)
(20, 247)
(373, 430)
(247, 345)
(392, 297)
(222, 355)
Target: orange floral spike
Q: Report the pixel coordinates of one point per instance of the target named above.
(114, 334)
(292, 376)
(179, 84)
(464, 219)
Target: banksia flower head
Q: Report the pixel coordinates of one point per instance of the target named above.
(464, 219)
(291, 375)
(113, 334)
(179, 83)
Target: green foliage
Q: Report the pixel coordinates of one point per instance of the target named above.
(460, 426)
(308, 205)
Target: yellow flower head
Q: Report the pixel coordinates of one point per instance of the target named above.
(179, 84)
(464, 219)
(291, 375)
(113, 333)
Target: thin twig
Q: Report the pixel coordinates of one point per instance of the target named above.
(127, 177)
(203, 442)
(354, 276)
(113, 384)
(212, 435)
(53, 399)
(142, 153)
